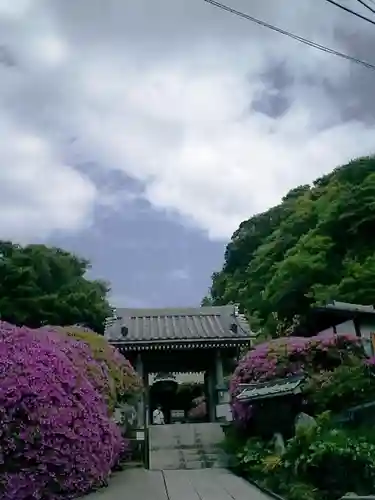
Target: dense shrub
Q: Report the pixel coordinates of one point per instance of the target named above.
(199, 410)
(56, 439)
(80, 354)
(186, 394)
(344, 387)
(315, 465)
(323, 458)
(290, 356)
(120, 382)
(187, 391)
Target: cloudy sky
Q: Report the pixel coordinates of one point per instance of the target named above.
(141, 133)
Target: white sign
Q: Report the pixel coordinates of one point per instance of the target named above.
(140, 436)
(177, 413)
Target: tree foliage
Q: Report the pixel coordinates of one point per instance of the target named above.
(40, 285)
(315, 246)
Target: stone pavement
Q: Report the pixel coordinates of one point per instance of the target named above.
(203, 484)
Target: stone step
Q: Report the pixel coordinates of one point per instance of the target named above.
(133, 465)
(186, 446)
(180, 459)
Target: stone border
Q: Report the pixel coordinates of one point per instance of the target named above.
(261, 488)
(353, 496)
(264, 490)
(272, 494)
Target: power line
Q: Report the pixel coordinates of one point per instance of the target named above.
(350, 11)
(290, 35)
(367, 6)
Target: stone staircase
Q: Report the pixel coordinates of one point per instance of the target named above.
(186, 446)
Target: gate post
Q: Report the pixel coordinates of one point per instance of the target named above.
(143, 411)
(141, 402)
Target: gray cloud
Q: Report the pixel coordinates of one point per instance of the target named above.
(198, 113)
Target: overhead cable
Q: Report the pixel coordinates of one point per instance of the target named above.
(350, 11)
(367, 6)
(310, 43)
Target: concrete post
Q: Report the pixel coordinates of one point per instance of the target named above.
(141, 402)
(219, 373)
(207, 392)
(210, 393)
(211, 384)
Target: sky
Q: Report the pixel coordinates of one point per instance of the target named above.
(140, 134)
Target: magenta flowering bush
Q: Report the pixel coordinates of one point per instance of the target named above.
(290, 356)
(108, 370)
(80, 354)
(56, 439)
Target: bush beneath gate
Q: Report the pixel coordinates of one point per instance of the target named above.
(56, 438)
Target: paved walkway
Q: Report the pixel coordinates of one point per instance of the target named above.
(203, 484)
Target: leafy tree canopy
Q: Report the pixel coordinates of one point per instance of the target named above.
(40, 285)
(316, 246)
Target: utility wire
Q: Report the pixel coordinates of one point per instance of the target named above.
(350, 11)
(367, 6)
(290, 35)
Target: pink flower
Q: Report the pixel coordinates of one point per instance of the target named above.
(56, 439)
(289, 356)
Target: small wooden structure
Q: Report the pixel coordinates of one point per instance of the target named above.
(277, 403)
(174, 340)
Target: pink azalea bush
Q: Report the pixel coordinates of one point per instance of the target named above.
(80, 354)
(56, 439)
(109, 371)
(289, 356)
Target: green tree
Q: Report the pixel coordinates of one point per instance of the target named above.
(40, 285)
(315, 246)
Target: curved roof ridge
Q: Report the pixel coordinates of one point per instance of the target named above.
(208, 323)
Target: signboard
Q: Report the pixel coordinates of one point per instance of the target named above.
(282, 387)
(177, 414)
(224, 411)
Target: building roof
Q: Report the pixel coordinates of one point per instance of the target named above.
(332, 314)
(349, 308)
(220, 324)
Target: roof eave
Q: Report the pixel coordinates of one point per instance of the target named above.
(169, 344)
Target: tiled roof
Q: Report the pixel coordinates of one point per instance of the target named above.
(177, 325)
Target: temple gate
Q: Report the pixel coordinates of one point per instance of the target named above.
(178, 340)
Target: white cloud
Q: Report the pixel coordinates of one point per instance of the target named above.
(179, 120)
(50, 50)
(15, 9)
(190, 138)
(38, 193)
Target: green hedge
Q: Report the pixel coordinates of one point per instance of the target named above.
(321, 463)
